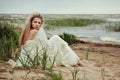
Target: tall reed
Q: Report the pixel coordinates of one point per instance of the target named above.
(73, 22)
(28, 59)
(69, 38)
(54, 76)
(113, 27)
(33, 58)
(8, 41)
(74, 73)
(103, 66)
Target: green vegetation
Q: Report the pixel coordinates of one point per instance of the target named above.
(55, 22)
(72, 22)
(8, 41)
(74, 73)
(9, 46)
(30, 61)
(54, 76)
(115, 27)
(39, 59)
(87, 54)
(12, 20)
(44, 59)
(69, 38)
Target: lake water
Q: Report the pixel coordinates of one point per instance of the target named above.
(94, 33)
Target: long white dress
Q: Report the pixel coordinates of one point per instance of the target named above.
(56, 49)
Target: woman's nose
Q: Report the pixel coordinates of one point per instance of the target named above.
(37, 24)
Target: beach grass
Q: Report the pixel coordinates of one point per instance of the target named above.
(9, 44)
(54, 76)
(73, 22)
(55, 22)
(69, 38)
(8, 41)
(115, 27)
(74, 73)
(11, 20)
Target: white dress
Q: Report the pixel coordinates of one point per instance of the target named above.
(56, 48)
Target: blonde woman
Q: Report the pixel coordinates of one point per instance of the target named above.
(33, 39)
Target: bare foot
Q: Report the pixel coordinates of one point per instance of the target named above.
(79, 63)
(62, 65)
(75, 65)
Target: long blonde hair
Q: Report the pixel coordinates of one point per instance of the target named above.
(28, 27)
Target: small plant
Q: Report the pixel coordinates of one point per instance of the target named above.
(44, 59)
(54, 76)
(113, 27)
(52, 63)
(74, 73)
(39, 58)
(103, 66)
(84, 76)
(87, 54)
(68, 38)
(27, 60)
(46, 62)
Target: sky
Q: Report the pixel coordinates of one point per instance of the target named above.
(61, 6)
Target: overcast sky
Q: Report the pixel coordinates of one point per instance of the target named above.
(61, 6)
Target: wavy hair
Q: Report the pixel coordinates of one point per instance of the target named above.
(28, 27)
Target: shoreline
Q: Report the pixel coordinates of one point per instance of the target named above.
(107, 44)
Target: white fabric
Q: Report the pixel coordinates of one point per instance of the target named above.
(55, 47)
(41, 34)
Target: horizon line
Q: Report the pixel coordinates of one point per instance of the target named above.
(63, 13)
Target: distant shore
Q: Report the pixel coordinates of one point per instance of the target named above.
(98, 43)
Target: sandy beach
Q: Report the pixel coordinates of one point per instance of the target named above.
(101, 63)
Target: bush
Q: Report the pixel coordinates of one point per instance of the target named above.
(8, 41)
(69, 38)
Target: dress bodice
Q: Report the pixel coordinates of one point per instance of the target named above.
(41, 34)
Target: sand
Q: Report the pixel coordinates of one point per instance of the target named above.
(102, 63)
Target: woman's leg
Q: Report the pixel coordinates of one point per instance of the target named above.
(66, 54)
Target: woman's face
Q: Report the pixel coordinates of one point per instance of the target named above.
(36, 23)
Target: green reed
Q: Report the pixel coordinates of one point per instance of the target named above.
(87, 54)
(46, 62)
(30, 59)
(74, 73)
(12, 19)
(52, 62)
(103, 66)
(8, 41)
(73, 22)
(44, 59)
(69, 38)
(115, 27)
(38, 58)
(54, 76)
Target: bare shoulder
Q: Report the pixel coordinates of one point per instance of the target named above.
(32, 33)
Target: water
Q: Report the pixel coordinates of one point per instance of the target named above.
(94, 33)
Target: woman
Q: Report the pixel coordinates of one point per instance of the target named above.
(33, 40)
